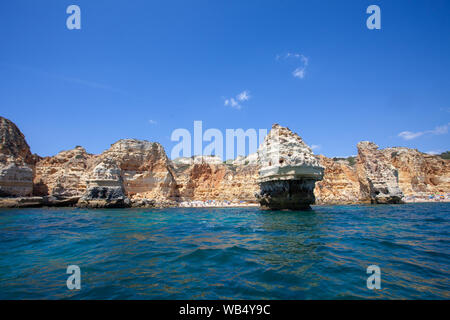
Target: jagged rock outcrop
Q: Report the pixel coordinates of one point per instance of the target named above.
(377, 176)
(63, 175)
(13, 147)
(288, 171)
(207, 181)
(16, 180)
(145, 168)
(130, 170)
(420, 175)
(16, 161)
(105, 187)
(340, 183)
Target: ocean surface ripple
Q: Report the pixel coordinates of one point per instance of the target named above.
(230, 253)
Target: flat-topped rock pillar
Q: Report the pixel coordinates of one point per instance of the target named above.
(288, 172)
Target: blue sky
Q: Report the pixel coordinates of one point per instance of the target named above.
(140, 69)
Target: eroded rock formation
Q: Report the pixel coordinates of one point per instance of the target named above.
(419, 174)
(64, 175)
(209, 181)
(105, 186)
(377, 176)
(130, 170)
(340, 183)
(13, 147)
(16, 161)
(288, 171)
(16, 180)
(138, 173)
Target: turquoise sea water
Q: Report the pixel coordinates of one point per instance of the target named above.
(232, 253)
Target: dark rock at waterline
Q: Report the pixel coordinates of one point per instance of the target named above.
(36, 202)
(104, 197)
(21, 202)
(52, 201)
(287, 194)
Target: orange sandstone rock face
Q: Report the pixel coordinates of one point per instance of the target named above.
(13, 147)
(16, 180)
(209, 181)
(63, 175)
(130, 170)
(145, 169)
(377, 176)
(16, 161)
(340, 184)
(419, 174)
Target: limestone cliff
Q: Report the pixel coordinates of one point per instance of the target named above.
(419, 175)
(13, 147)
(130, 170)
(138, 173)
(64, 175)
(145, 168)
(16, 161)
(399, 172)
(340, 184)
(105, 186)
(208, 181)
(378, 178)
(16, 180)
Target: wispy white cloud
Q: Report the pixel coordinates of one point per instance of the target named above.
(315, 147)
(408, 135)
(152, 122)
(299, 73)
(232, 103)
(73, 80)
(298, 58)
(434, 152)
(305, 60)
(243, 96)
(235, 102)
(439, 130)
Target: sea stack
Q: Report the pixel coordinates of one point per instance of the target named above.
(378, 177)
(288, 171)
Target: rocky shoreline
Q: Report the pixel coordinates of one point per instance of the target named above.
(138, 174)
(42, 202)
(37, 202)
